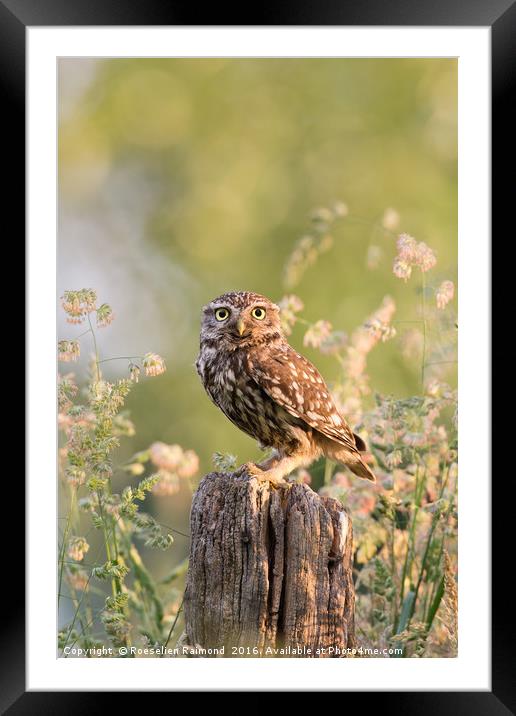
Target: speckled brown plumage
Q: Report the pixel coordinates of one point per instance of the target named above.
(270, 391)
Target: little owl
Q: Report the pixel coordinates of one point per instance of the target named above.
(270, 391)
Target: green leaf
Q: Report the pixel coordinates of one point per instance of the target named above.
(406, 610)
(434, 606)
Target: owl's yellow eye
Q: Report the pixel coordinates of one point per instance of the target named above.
(258, 313)
(221, 314)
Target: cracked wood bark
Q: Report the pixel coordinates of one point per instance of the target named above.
(268, 569)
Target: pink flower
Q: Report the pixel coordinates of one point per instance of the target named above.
(444, 294)
(401, 268)
(289, 306)
(165, 456)
(167, 485)
(153, 364)
(366, 504)
(317, 334)
(77, 304)
(173, 459)
(335, 342)
(134, 372)
(77, 548)
(68, 350)
(105, 315)
(410, 254)
(425, 257)
(189, 464)
(78, 580)
(407, 247)
(381, 331)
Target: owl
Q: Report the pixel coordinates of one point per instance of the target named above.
(270, 391)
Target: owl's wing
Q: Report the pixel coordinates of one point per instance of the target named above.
(294, 383)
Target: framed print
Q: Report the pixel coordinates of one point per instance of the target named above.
(255, 247)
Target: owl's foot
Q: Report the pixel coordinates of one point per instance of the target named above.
(252, 469)
(278, 483)
(265, 476)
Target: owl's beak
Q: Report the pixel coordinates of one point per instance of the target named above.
(240, 326)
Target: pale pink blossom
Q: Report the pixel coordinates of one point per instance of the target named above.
(173, 459)
(444, 294)
(105, 315)
(425, 257)
(334, 343)
(165, 456)
(407, 247)
(68, 351)
(381, 331)
(134, 372)
(412, 254)
(317, 334)
(167, 485)
(289, 306)
(78, 580)
(189, 464)
(401, 268)
(153, 364)
(77, 304)
(77, 548)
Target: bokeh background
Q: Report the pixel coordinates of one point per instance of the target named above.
(180, 179)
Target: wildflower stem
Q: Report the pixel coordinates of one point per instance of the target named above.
(143, 577)
(440, 362)
(82, 334)
(429, 615)
(76, 613)
(76, 604)
(423, 307)
(392, 535)
(174, 623)
(423, 566)
(115, 588)
(95, 348)
(64, 542)
(407, 564)
(105, 360)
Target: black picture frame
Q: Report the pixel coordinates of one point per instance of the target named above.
(500, 16)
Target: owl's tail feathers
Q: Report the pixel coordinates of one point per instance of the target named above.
(359, 467)
(351, 458)
(359, 443)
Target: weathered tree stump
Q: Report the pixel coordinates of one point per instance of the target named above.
(270, 570)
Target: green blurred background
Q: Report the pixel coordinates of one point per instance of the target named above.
(180, 179)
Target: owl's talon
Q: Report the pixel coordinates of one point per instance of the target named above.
(275, 482)
(282, 485)
(252, 469)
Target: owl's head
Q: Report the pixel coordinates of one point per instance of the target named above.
(241, 318)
